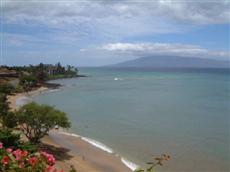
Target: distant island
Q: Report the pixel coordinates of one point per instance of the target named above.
(173, 62)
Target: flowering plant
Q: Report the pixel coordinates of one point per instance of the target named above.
(17, 160)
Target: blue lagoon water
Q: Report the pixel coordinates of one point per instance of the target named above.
(141, 113)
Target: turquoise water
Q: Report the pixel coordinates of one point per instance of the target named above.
(143, 113)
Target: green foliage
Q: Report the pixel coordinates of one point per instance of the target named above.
(157, 161)
(10, 120)
(9, 139)
(7, 119)
(4, 106)
(36, 120)
(19, 160)
(6, 88)
(40, 73)
(19, 89)
(30, 147)
(27, 82)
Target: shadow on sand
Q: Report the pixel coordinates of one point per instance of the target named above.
(59, 153)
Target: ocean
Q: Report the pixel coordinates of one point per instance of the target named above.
(142, 113)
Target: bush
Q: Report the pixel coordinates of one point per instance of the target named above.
(28, 147)
(27, 82)
(10, 120)
(9, 139)
(6, 88)
(7, 119)
(20, 160)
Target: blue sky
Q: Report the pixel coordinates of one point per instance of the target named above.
(94, 33)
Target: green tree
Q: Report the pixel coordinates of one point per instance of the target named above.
(27, 81)
(60, 69)
(4, 107)
(6, 88)
(7, 119)
(36, 120)
(41, 73)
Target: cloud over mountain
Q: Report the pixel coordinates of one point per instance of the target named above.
(138, 49)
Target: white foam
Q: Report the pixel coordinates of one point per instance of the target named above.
(130, 164)
(97, 144)
(54, 90)
(118, 79)
(105, 148)
(69, 134)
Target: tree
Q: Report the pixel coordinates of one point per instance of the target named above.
(4, 107)
(27, 82)
(7, 119)
(60, 69)
(6, 88)
(40, 73)
(36, 120)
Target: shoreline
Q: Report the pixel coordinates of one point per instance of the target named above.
(92, 156)
(14, 98)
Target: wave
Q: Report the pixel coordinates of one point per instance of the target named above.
(97, 144)
(118, 79)
(130, 164)
(69, 134)
(105, 148)
(54, 90)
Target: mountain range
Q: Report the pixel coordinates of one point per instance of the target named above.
(174, 62)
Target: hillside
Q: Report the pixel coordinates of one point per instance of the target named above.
(173, 62)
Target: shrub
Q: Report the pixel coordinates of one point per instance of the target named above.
(27, 81)
(30, 147)
(7, 119)
(6, 88)
(9, 139)
(18, 160)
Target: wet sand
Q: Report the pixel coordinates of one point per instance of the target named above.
(87, 155)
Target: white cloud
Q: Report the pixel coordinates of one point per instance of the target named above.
(59, 12)
(138, 49)
(88, 23)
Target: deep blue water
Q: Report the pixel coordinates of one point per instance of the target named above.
(141, 113)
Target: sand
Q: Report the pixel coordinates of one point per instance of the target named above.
(73, 151)
(12, 99)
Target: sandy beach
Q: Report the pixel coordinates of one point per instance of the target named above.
(73, 151)
(12, 99)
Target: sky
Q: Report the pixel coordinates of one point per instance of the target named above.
(102, 32)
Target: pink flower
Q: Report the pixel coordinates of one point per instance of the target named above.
(49, 168)
(5, 160)
(49, 157)
(33, 161)
(9, 150)
(1, 145)
(19, 154)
